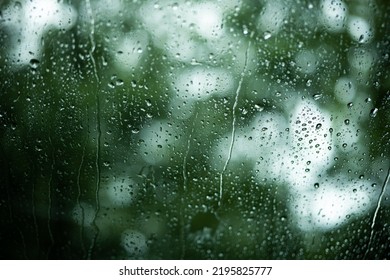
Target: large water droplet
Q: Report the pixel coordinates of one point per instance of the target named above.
(374, 112)
(34, 63)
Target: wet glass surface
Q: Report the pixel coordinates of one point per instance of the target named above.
(194, 129)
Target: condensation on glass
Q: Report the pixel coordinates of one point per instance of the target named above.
(194, 129)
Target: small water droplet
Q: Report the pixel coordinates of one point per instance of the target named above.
(361, 38)
(245, 30)
(259, 107)
(373, 112)
(354, 190)
(308, 83)
(316, 185)
(267, 35)
(148, 102)
(34, 63)
(133, 83)
(318, 126)
(119, 82)
(349, 105)
(346, 121)
(18, 5)
(317, 96)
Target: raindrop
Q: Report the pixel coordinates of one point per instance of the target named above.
(267, 35)
(350, 104)
(34, 63)
(245, 30)
(308, 83)
(316, 185)
(361, 39)
(373, 112)
(259, 107)
(346, 121)
(317, 96)
(318, 126)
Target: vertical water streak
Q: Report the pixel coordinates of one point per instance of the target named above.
(98, 126)
(234, 119)
(378, 205)
(81, 208)
(184, 191)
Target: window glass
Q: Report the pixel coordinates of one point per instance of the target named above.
(165, 129)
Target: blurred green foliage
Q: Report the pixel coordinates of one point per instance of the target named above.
(76, 123)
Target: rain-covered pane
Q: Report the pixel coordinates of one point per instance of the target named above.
(163, 129)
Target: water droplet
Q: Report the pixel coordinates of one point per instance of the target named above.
(119, 82)
(354, 190)
(133, 83)
(317, 96)
(308, 83)
(368, 99)
(267, 35)
(373, 112)
(34, 63)
(18, 5)
(148, 102)
(346, 121)
(316, 185)
(350, 104)
(245, 30)
(318, 126)
(361, 39)
(259, 107)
